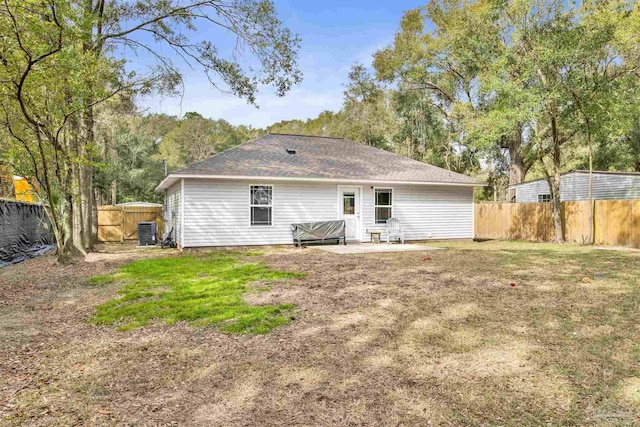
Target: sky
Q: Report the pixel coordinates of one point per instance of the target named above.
(335, 35)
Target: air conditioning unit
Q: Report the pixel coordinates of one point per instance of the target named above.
(147, 232)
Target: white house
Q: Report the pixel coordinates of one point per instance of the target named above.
(252, 193)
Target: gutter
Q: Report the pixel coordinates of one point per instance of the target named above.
(168, 180)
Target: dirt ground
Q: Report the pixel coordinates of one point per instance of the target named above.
(378, 339)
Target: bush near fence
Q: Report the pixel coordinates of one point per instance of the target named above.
(616, 222)
(120, 223)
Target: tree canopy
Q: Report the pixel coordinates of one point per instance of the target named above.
(60, 76)
(503, 90)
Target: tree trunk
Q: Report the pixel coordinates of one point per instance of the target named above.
(591, 203)
(86, 140)
(76, 209)
(518, 166)
(75, 201)
(86, 215)
(517, 173)
(55, 215)
(114, 192)
(94, 220)
(69, 249)
(87, 125)
(554, 187)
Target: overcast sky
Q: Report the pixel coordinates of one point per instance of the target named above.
(335, 34)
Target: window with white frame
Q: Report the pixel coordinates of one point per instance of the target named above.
(261, 205)
(543, 198)
(383, 204)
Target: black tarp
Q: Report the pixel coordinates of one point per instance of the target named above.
(24, 232)
(320, 232)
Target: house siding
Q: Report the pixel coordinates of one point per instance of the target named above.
(425, 212)
(172, 212)
(217, 212)
(575, 186)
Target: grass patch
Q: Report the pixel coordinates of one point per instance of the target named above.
(102, 280)
(202, 290)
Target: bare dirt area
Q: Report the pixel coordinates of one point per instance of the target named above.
(477, 334)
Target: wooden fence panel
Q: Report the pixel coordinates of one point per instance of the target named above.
(481, 226)
(132, 216)
(634, 235)
(517, 221)
(576, 221)
(116, 224)
(492, 220)
(109, 224)
(613, 222)
(616, 222)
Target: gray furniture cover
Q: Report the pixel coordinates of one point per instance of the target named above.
(319, 232)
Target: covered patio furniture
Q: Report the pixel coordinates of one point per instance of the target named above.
(319, 232)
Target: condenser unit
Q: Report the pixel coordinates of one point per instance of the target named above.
(147, 232)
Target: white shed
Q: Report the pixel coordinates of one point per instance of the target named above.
(574, 185)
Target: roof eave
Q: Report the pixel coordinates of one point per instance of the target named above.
(172, 178)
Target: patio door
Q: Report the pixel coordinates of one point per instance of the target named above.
(349, 210)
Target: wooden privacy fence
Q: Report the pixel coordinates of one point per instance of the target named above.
(616, 222)
(117, 224)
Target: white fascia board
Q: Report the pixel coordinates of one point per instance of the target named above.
(170, 179)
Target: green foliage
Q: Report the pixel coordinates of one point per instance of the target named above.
(129, 146)
(531, 78)
(49, 81)
(327, 123)
(438, 73)
(202, 290)
(195, 138)
(60, 76)
(618, 154)
(367, 116)
(402, 120)
(172, 24)
(135, 147)
(421, 131)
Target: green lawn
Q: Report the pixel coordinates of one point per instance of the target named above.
(203, 290)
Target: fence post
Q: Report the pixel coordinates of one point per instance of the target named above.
(122, 224)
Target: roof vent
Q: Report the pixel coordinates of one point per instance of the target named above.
(291, 151)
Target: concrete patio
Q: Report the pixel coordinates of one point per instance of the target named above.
(368, 248)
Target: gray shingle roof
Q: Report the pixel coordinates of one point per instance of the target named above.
(319, 157)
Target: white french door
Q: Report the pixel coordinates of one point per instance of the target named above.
(349, 210)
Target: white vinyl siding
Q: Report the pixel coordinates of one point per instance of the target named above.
(217, 212)
(172, 211)
(575, 186)
(425, 212)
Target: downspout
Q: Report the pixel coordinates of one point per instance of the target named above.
(182, 196)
